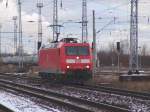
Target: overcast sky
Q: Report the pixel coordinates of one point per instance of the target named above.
(106, 11)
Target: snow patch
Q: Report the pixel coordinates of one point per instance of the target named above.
(21, 104)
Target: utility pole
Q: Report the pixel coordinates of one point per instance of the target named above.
(112, 59)
(15, 34)
(39, 6)
(6, 3)
(0, 41)
(133, 62)
(55, 20)
(20, 38)
(94, 44)
(84, 21)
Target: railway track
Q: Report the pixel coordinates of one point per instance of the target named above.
(111, 90)
(108, 90)
(141, 95)
(75, 103)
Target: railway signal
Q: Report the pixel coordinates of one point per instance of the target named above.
(118, 53)
(118, 46)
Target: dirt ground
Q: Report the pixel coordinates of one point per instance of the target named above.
(113, 81)
(9, 68)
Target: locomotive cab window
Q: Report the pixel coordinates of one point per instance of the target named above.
(77, 50)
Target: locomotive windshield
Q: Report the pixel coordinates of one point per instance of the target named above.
(77, 50)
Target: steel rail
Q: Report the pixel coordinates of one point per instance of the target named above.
(75, 103)
(141, 95)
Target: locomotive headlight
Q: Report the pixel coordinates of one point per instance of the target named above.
(87, 66)
(77, 57)
(68, 67)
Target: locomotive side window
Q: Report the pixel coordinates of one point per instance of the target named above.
(77, 50)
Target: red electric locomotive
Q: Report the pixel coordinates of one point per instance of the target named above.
(66, 59)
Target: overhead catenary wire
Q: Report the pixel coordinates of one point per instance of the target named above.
(106, 10)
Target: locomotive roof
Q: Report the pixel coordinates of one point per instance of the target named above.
(60, 44)
(65, 42)
(70, 40)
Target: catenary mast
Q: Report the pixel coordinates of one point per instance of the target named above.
(20, 38)
(84, 21)
(39, 6)
(133, 62)
(55, 20)
(15, 34)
